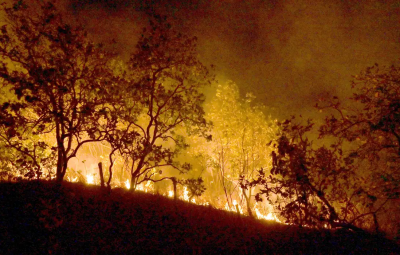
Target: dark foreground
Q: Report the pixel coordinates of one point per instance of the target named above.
(43, 218)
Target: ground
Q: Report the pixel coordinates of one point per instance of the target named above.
(73, 218)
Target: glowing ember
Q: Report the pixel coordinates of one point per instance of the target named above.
(127, 184)
(90, 179)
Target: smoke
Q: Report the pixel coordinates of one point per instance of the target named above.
(287, 53)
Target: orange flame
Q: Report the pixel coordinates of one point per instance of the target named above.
(269, 216)
(90, 179)
(127, 184)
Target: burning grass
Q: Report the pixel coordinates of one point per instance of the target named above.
(41, 217)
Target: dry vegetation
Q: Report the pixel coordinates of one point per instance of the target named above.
(43, 217)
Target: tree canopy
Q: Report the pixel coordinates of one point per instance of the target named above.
(60, 80)
(68, 91)
(353, 179)
(163, 93)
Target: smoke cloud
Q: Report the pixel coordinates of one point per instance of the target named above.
(287, 53)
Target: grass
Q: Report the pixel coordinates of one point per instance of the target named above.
(43, 218)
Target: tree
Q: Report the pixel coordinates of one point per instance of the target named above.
(164, 101)
(240, 129)
(61, 82)
(195, 187)
(309, 186)
(353, 182)
(372, 128)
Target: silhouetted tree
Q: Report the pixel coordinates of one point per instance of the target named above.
(162, 101)
(195, 187)
(371, 125)
(61, 82)
(352, 182)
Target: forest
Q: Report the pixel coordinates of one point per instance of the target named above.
(73, 110)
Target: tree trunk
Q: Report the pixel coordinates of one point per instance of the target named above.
(61, 170)
(110, 169)
(62, 165)
(174, 183)
(101, 174)
(133, 182)
(237, 208)
(248, 202)
(59, 176)
(377, 229)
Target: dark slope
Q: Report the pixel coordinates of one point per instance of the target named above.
(42, 218)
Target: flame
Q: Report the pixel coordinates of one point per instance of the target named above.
(269, 216)
(127, 184)
(145, 187)
(186, 196)
(70, 179)
(90, 179)
(148, 187)
(235, 208)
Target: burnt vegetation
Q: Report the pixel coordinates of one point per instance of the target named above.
(61, 92)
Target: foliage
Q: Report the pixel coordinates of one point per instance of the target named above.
(372, 128)
(195, 187)
(60, 80)
(239, 135)
(352, 183)
(162, 102)
(309, 185)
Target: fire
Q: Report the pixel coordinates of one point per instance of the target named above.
(90, 179)
(235, 208)
(145, 187)
(148, 187)
(186, 196)
(269, 216)
(70, 179)
(127, 184)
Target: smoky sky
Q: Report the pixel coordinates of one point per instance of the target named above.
(287, 53)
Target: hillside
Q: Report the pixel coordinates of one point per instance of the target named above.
(41, 218)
